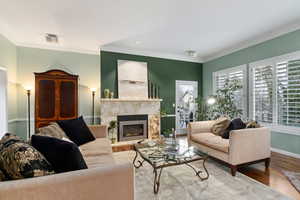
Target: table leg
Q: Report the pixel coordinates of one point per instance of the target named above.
(156, 180)
(198, 172)
(140, 163)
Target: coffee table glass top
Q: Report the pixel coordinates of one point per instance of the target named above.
(168, 153)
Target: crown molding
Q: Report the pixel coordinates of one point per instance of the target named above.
(253, 41)
(57, 48)
(150, 54)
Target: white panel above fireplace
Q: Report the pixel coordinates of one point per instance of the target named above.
(132, 80)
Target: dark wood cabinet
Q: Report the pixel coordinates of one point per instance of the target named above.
(56, 97)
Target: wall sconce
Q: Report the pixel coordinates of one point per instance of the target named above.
(93, 90)
(28, 89)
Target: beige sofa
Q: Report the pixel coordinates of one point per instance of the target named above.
(244, 146)
(104, 179)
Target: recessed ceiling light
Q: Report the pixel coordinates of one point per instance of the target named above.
(191, 53)
(51, 38)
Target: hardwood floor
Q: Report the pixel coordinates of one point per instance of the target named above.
(273, 177)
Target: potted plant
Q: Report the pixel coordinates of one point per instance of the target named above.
(112, 130)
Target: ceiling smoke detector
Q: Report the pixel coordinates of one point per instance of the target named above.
(51, 38)
(191, 53)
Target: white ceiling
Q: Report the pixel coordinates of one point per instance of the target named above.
(165, 28)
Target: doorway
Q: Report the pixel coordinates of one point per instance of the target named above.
(3, 101)
(186, 107)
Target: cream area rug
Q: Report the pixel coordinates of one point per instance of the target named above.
(294, 178)
(180, 182)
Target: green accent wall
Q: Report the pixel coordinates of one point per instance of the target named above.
(278, 46)
(163, 72)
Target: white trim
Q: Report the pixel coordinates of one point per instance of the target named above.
(291, 130)
(58, 48)
(25, 120)
(151, 54)
(5, 98)
(3, 69)
(252, 42)
(287, 153)
(245, 85)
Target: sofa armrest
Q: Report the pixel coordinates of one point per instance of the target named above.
(99, 131)
(247, 145)
(110, 183)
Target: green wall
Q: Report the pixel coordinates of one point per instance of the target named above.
(32, 60)
(161, 71)
(22, 62)
(281, 45)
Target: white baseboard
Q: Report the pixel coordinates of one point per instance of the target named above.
(287, 153)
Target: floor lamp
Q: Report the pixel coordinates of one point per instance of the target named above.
(28, 89)
(93, 104)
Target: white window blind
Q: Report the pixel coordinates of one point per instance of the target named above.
(235, 73)
(288, 92)
(263, 93)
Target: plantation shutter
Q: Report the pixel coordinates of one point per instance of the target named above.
(288, 93)
(236, 73)
(263, 93)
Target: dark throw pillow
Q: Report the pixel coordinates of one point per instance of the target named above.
(20, 160)
(64, 156)
(235, 124)
(77, 130)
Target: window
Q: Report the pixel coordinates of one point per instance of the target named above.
(235, 73)
(288, 92)
(275, 91)
(263, 93)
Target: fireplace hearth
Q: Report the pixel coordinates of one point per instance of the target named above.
(132, 127)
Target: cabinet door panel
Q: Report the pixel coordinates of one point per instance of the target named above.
(68, 99)
(46, 99)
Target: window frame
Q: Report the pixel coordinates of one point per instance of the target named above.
(273, 62)
(245, 84)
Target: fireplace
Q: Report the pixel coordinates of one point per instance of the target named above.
(132, 127)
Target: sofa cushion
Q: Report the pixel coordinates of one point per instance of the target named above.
(252, 124)
(220, 126)
(211, 140)
(20, 160)
(235, 124)
(64, 156)
(100, 146)
(52, 130)
(2, 176)
(98, 161)
(77, 130)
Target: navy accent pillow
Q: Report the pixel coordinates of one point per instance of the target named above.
(76, 130)
(63, 156)
(235, 124)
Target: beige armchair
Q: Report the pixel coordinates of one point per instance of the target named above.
(244, 146)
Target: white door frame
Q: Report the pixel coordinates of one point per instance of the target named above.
(3, 70)
(194, 83)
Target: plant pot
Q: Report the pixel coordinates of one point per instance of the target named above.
(113, 140)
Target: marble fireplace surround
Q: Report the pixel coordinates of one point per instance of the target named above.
(111, 108)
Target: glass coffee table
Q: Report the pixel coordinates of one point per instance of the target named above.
(163, 154)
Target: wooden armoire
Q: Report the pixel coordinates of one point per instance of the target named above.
(56, 97)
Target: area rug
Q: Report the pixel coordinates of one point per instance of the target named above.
(180, 182)
(294, 178)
